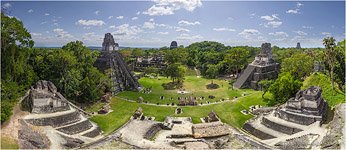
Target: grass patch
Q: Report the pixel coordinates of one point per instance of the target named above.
(332, 96)
(229, 112)
(196, 87)
(8, 143)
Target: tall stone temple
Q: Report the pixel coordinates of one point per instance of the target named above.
(121, 75)
(263, 67)
(173, 45)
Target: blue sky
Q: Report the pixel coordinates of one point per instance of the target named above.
(156, 23)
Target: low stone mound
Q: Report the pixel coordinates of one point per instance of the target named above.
(94, 133)
(279, 127)
(76, 128)
(56, 121)
(209, 130)
(258, 133)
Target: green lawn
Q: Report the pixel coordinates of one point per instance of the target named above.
(8, 143)
(333, 97)
(196, 87)
(229, 112)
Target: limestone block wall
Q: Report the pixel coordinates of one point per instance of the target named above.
(76, 128)
(57, 120)
(300, 119)
(258, 133)
(279, 127)
(97, 131)
(49, 109)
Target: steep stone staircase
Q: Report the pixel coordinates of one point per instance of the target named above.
(244, 76)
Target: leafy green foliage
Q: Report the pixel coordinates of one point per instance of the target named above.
(332, 96)
(265, 84)
(330, 56)
(176, 72)
(340, 65)
(299, 65)
(283, 88)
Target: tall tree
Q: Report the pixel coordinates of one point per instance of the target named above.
(236, 59)
(330, 56)
(283, 88)
(299, 65)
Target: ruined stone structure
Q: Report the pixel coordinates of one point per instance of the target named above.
(121, 75)
(212, 117)
(306, 107)
(49, 108)
(191, 101)
(263, 67)
(298, 46)
(156, 61)
(301, 115)
(208, 130)
(173, 45)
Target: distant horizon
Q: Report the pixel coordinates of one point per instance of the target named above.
(157, 23)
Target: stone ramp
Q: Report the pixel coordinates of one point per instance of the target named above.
(126, 70)
(244, 76)
(257, 124)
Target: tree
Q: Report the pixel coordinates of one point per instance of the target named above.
(330, 56)
(236, 59)
(265, 84)
(283, 88)
(176, 72)
(212, 71)
(340, 65)
(298, 65)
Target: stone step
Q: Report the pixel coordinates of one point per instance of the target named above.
(48, 115)
(76, 128)
(56, 121)
(92, 132)
(278, 120)
(279, 127)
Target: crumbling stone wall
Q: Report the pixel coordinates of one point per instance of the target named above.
(258, 133)
(279, 127)
(152, 131)
(304, 120)
(76, 128)
(57, 120)
(97, 131)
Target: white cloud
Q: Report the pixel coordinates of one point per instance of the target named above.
(46, 14)
(249, 33)
(134, 18)
(162, 33)
(280, 34)
(326, 33)
(223, 29)
(189, 37)
(292, 11)
(149, 25)
(272, 21)
(300, 33)
(90, 22)
(307, 27)
(127, 31)
(36, 34)
(295, 10)
(179, 29)
(167, 7)
(110, 17)
(30, 11)
(274, 24)
(120, 17)
(230, 18)
(270, 18)
(61, 33)
(44, 22)
(299, 4)
(138, 12)
(187, 23)
(151, 19)
(112, 27)
(97, 12)
(6, 6)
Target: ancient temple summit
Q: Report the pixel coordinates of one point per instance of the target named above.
(299, 119)
(263, 67)
(121, 75)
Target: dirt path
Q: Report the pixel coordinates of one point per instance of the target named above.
(11, 127)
